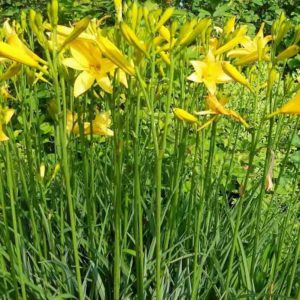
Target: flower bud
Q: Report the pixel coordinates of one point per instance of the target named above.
(288, 52)
(229, 26)
(185, 116)
(165, 17)
(54, 12)
(231, 71)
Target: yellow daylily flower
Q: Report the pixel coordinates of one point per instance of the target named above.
(292, 107)
(210, 72)
(216, 107)
(5, 116)
(26, 56)
(252, 49)
(87, 57)
(100, 125)
(72, 123)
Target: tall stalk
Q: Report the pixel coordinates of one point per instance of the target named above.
(61, 106)
(138, 225)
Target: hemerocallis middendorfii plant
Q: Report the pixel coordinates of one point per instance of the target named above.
(292, 107)
(210, 72)
(5, 116)
(87, 57)
(217, 107)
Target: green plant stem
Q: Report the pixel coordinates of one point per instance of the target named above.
(294, 267)
(11, 184)
(138, 208)
(118, 157)
(7, 239)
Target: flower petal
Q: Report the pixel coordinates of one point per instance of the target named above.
(74, 64)
(3, 136)
(211, 86)
(196, 77)
(82, 83)
(104, 83)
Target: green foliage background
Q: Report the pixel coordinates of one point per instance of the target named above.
(247, 10)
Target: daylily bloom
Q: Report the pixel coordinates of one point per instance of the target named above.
(252, 50)
(216, 107)
(99, 126)
(17, 51)
(5, 116)
(87, 57)
(210, 72)
(72, 123)
(292, 107)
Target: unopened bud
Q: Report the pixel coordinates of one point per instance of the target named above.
(288, 52)
(42, 171)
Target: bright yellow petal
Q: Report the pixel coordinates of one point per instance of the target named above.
(82, 83)
(214, 105)
(15, 42)
(3, 136)
(195, 77)
(211, 86)
(229, 45)
(247, 59)
(100, 125)
(114, 54)
(198, 65)
(104, 83)
(121, 75)
(74, 64)
(292, 107)
(7, 114)
(236, 53)
(106, 66)
(81, 53)
(79, 27)
(17, 55)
